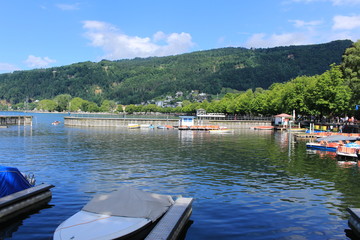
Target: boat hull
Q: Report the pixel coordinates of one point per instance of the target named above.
(316, 146)
(87, 225)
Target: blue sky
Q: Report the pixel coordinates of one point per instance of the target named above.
(48, 33)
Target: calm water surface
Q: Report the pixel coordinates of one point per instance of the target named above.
(246, 185)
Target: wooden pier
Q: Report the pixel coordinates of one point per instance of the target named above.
(6, 120)
(354, 220)
(23, 201)
(173, 222)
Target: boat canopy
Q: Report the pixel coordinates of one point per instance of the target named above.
(12, 181)
(336, 138)
(353, 145)
(130, 202)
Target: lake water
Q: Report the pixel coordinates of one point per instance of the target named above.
(246, 185)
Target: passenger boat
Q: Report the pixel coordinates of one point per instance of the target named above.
(19, 194)
(330, 143)
(348, 151)
(127, 213)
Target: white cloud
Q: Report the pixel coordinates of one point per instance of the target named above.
(346, 22)
(35, 62)
(334, 2)
(117, 45)
(68, 7)
(7, 67)
(261, 40)
(304, 24)
(345, 2)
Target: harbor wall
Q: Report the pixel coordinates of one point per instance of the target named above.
(123, 122)
(15, 120)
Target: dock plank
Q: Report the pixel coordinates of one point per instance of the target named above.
(173, 221)
(10, 199)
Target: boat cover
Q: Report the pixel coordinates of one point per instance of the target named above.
(130, 202)
(336, 138)
(353, 145)
(11, 181)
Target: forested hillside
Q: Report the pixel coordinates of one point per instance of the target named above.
(137, 80)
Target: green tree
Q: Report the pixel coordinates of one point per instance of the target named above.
(351, 69)
(62, 101)
(330, 95)
(108, 106)
(76, 104)
(244, 102)
(274, 99)
(90, 106)
(133, 108)
(297, 94)
(47, 105)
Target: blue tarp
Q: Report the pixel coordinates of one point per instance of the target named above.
(354, 145)
(11, 181)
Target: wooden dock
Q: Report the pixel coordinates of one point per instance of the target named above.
(354, 220)
(6, 120)
(200, 128)
(23, 201)
(306, 136)
(173, 222)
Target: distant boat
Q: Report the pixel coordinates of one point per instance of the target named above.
(221, 131)
(56, 123)
(264, 128)
(18, 193)
(127, 213)
(133, 125)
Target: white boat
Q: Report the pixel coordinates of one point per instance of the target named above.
(122, 214)
(221, 130)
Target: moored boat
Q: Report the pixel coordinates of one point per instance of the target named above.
(122, 214)
(133, 126)
(221, 131)
(348, 151)
(330, 143)
(263, 128)
(18, 193)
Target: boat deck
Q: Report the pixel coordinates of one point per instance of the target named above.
(173, 222)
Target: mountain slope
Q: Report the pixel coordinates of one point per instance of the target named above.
(137, 80)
